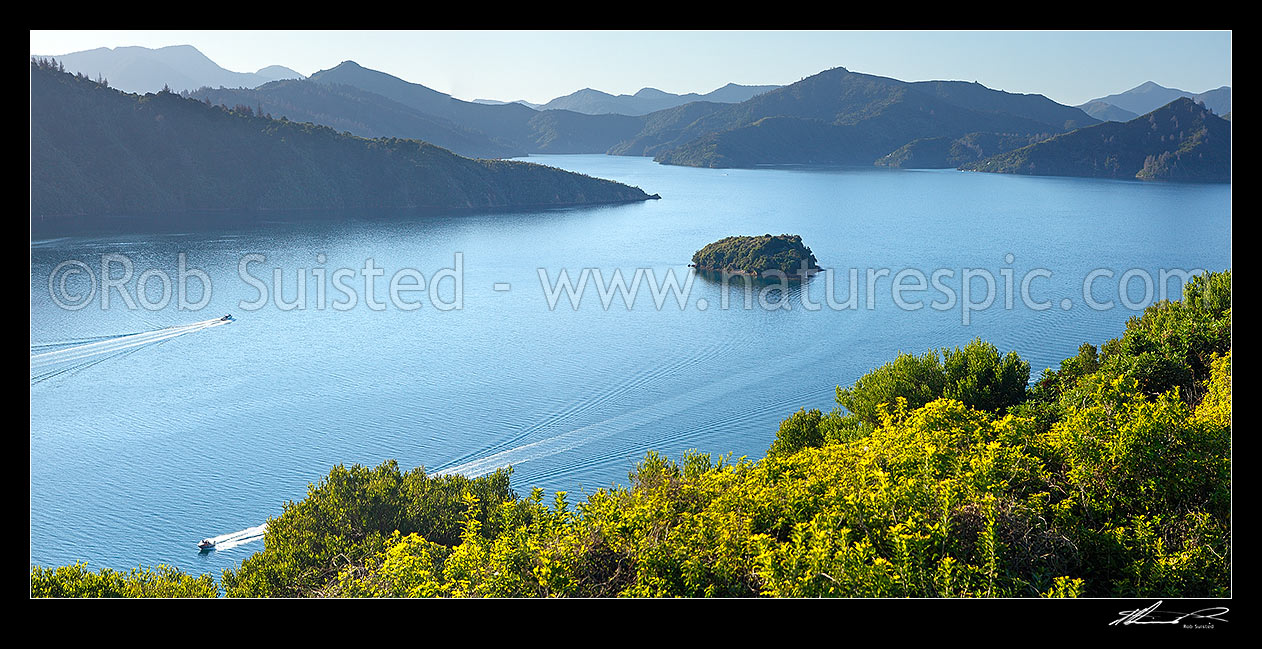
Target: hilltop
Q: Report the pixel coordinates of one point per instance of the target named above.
(179, 67)
(1149, 96)
(649, 100)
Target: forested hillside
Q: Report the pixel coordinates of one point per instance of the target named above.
(843, 117)
(1181, 141)
(97, 151)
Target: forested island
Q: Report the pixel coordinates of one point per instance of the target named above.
(96, 151)
(938, 475)
(759, 256)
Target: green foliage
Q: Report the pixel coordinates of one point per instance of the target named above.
(1053, 383)
(916, 379)
(1129, 454)
(1210, 292)
(757, 255)
(976, 375)
(981, 378)
(1172, 344)
(797, 432)
(351, 515)
(1215, 407)
(77, 581)
(941, 501)
(409, 567)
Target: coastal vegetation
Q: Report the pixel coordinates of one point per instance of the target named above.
(78, 581)
(759, 255)
(938, 475)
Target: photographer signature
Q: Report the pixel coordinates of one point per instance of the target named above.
(1151, 615)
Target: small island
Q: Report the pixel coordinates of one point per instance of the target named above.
(759, 256)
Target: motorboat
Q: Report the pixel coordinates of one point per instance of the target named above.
(206, 544)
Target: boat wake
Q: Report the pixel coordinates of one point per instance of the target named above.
(595, 405)
(234, 539)
(50, 360)
(662, 413)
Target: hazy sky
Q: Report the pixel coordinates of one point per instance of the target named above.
(1069, 67)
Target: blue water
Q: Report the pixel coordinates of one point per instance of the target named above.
(136, 457)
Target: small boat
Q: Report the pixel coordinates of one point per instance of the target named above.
(206, 544)
(228, 318)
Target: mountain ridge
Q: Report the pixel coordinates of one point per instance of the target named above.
(362, 113)
(1149, 96)
(139, 69)
(648, 100)
(843, 117)
(533, 131)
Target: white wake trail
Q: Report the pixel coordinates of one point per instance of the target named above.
(240, 537)
(118, 343)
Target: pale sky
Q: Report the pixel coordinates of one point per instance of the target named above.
(1068, 67)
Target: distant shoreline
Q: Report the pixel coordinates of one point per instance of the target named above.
(72, 224)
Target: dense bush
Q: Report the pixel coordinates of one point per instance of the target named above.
(976, 375)
(77, 581)
(352, 514)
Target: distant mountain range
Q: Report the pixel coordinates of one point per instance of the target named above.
(512, 125)
(842, 117)
(179, 67)
(1106, 112)
(496, 102)
(1149, 96)
(648, 100)
(96, 151)
(1182, 141)
(834, 117)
